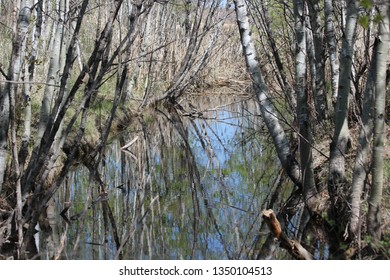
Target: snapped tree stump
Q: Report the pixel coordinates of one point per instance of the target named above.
(291, 245)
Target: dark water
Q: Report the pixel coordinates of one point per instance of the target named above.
(190, 186)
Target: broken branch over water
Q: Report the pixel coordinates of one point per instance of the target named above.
(291, 245)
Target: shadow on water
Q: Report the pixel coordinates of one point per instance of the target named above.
(178, 183)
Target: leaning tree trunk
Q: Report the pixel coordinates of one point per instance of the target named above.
(362, 161)
(374, 211)
(341, 136)
(268, 111)
(16, 65)
(41, 161)
(99, 63)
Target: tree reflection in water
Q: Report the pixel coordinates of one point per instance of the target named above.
(188, 183)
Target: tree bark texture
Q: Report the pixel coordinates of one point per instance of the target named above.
(363, 160)
(303, 111)
(319, 91)
(54, 69)
(374, 222)
(341, 137)
(4, 124)
(332, 47)
(268, 112)
(15, 69)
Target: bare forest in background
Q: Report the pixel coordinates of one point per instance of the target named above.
(75, 74)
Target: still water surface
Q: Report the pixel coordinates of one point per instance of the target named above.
(189, 185)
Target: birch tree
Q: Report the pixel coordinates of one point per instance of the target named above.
(309, 189)
(268, 112)
(104, 55)
(374, 220)
(14, 73)
(135, 55)
(9, 88)
(332, 47)
(362, 161)
(56, 50)
(318, 66)
(334, 207)
(4, 124)
(73, 77)
(29, 75)
(341, 137)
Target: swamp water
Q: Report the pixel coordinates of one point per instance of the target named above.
(189, 184)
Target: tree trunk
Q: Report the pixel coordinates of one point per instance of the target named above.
(15, 69)
(4, 124)
(54, 70)
(9, 89)
(268, 112)
(319, 92)
(43, 156)
(99, 63)
(374, 209)
(362, 161)
(305, 142)
(28, 87)
(341, 136)
(332, 48)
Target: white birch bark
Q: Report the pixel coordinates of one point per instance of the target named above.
(362, 161)
(267, 108)
(4, 124)
(318, 90)
(374, 209)
(8, 90)
(341, 133)
(53, 72)
(332, 47)
(28, 86)
(309, 189)
(16, 64)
